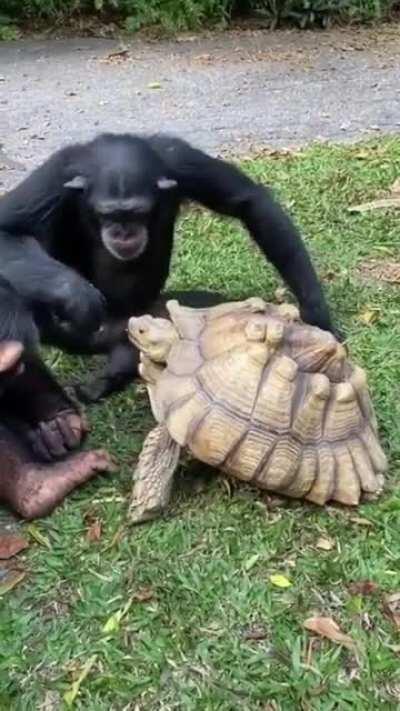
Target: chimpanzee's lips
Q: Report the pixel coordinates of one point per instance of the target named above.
(129, 247)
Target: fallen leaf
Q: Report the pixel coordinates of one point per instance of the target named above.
(391, 606)
(143, 595)
(280, 581)
(94, 531)
(362, 155)
(123, 54)
(363, 587)
(391, 201)
(367, 622)
(384, 204)
(361, 521)
(395, 188)
(368, 316)
(11, 545)
(255, 632)
(327, 627)
(113, 622)
(70, 696)
(250, 562)
(325, 544)
(154, 85)
(37, 536)
(10, 579)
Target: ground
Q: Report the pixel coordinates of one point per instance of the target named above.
(224, 91)
(185, 613)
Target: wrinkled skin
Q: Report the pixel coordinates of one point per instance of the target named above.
(31, 484)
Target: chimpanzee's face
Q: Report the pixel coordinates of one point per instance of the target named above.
(123, 216)
(124, 225)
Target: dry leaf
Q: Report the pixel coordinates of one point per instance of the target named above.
(367, 622)
(361, 521)
(250, 562)
(70, 696)
(384, 204)
(255, 632)
(363, 587)
(368, 316)
(37, 536)
(143, 595)
(391, 605)
(327, 627)
(94, 531)
(116, 56)
(325, 544)
(113, 622)
(395, 188)
(9, 579)
(391, 201)
(280, 581)
(11, 545)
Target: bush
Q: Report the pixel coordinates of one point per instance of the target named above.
(175, 15)
(178, 15)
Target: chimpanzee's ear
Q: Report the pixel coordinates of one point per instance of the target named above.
(77, 183)
(166, 183)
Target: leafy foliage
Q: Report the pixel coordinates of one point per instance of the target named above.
(178, 15)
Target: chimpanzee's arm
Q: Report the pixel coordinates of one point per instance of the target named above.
(27, 208)
(225, 189)
(47, 285)
(16, 319)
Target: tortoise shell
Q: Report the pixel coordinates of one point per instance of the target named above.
(250, 389)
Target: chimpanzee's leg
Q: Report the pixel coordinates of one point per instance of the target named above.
(32, 489)
(47, 417)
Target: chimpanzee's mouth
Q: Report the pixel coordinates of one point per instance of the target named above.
(130, 247)
(125, 245)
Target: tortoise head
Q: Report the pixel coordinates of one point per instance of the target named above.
(152, 336)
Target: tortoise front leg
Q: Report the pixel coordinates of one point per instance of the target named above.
(153, 476)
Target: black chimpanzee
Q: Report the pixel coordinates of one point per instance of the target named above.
(107, 209)
(38, 422)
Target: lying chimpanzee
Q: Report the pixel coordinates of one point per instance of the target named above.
(107, 209)
(38, 422)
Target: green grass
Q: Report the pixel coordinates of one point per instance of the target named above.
(208, 564)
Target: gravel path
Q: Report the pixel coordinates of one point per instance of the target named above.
(232, 91)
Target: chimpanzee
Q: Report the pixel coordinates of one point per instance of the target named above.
(38, 422)
(107, 209)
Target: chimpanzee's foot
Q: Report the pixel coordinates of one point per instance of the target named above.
(37, 489)
(55, 438)
(94, 390)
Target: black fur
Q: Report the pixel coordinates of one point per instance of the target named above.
(61, 206)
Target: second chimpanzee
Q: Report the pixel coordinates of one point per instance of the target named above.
(38, 422)
(106, 209)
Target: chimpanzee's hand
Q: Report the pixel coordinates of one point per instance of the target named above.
(318, 315)
(79, 305)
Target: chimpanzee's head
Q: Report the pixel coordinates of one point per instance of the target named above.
(122, 180)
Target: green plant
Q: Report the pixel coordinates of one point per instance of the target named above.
(8, 31)
(174, 15)
(320, 13)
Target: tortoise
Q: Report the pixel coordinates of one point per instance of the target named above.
(247, 387)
